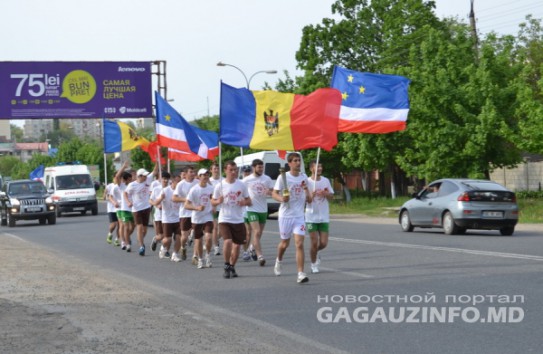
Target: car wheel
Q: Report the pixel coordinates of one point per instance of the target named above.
(405, 222)
(507, 231)
(449, 225)
(94, 211)
(43, 221)
(10, 221)
(52, 219)
(83, 212)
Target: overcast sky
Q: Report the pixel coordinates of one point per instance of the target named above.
(192, 36)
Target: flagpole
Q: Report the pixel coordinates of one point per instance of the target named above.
(105, 169)
(316, 168)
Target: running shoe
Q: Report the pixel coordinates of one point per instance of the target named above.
(253, 254)
(123, 246)
(261, 261)
(233, 272)
(246, 256)
(217, 251)
(277, 268)
(183, 254)
(209, 264)
(200, 264)
(315, 268)
(116, 242)
(175, 257)
(167, 255)
(128, 248)
(194, 260)
(153, 245)
(162, 253)
(141, 251)
(302, 278)
(226, 271)
(109, 238)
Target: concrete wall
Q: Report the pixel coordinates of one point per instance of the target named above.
(527, 176)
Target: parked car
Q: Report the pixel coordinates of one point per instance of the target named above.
(460, 204)
(26, 200)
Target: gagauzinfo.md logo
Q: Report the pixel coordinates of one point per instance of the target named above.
(420, 309)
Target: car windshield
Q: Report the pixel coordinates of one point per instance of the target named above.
(26, 188)
(74, 182)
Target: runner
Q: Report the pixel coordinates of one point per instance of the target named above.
(317, 213)
(260, 186)
(292, 197)
(179, 196)
(199, 201)
(232, 195)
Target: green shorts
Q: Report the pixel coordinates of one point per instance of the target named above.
(215, 215)
(318, 227)
(253, 216)
(125, 216)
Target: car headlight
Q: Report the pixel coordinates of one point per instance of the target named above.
(48, 200)
(14, 202)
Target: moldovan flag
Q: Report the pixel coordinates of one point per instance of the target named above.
(371, 103)
(118, 136)
(269, 120)
(172, 130)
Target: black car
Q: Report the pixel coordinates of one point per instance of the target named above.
(26, 200)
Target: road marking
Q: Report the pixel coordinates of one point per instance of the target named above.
(354, 274)
(333, 270)
(446, 249)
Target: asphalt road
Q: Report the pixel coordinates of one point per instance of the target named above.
(380, 290)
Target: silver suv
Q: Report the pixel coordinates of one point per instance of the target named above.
(26, 200)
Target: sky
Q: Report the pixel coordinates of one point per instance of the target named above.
(193, 36)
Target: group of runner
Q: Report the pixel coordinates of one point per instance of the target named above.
(198, 208)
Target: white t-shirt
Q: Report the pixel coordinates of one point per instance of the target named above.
(231, 212)
(319, 209)
(118, 196)
(258, 187)
(109, 192)
(156, 191)
(201, 196)
(295, 207)
(182, 190)
(214, 182)
(139, 193)
(170, 209)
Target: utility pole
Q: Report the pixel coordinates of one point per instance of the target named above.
(474, 30)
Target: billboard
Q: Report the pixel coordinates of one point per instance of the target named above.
(75, 90)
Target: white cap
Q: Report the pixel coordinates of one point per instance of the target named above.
(142, 172)
(202, 171)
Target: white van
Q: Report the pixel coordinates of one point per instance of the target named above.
(272, 164)
(71, 188)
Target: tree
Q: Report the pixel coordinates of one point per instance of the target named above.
(17, 133)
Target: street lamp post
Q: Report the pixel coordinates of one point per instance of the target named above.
(247, 81)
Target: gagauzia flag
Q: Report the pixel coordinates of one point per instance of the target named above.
(269, 120)
(118, 136)
(179, 155)
(371, 103)
(173, 131)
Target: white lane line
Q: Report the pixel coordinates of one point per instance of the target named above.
(333, 270)
(446, 249)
